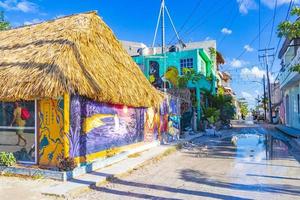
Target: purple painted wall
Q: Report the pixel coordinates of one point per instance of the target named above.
(98, 126)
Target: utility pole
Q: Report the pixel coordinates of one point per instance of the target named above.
(163, 12)
(264, 102)
(265, 56)
(163, 27)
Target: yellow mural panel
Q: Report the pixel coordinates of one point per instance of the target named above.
(66, 124)
(50, 131)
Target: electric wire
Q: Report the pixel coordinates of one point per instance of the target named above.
(230, 24)
(187, 19)
(273, 24)
(279, 42)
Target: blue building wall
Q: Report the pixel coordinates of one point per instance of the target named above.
(202, 63)
(156, 66)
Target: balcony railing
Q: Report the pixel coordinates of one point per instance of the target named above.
(286, 74)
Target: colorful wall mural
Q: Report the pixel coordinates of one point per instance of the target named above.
(163, 123)
(50, 131)
(154, 76)
(96, 127)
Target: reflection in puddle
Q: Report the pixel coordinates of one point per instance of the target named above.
(258, 147)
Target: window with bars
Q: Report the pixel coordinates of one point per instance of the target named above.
(187, 63)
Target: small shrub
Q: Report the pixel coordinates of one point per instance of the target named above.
(7, 159)
(66, 163)
(179, 146)
(37, 176)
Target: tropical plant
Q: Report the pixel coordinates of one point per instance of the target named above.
(243, 108)
(7, 159)
(291, 30)
(189, 75)
(220, 59)
(4, 25)
(211, 114)
(216, 54)
(221, 91)
(224, 104)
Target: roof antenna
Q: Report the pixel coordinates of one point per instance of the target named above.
(161, 18)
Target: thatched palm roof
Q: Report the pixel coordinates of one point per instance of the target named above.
(76, 54)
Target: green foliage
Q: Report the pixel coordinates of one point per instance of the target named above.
(212, 52)
(7, 159)
(66, 163)
(37, 176)
(221, 91)
(221, 103)
(289, 29)
(211, 114)
(4, 25)
(244, 108)
(210, 77)
(295, 68)
(189, 75)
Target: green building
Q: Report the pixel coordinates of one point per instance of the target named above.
(158, 69)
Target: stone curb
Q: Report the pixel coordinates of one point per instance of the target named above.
(78, 171)
(77, 187)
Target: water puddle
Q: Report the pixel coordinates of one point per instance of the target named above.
(256, 147)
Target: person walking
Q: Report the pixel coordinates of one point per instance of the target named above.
(19, 122)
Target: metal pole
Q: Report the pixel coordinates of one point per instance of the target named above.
(269, 88)
(163, 34)
(157, 26)
(265, 108)
(198, 97)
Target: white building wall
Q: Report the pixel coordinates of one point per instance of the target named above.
(291, 104)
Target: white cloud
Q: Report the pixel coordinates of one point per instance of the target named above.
(252, 73)
(247, 95)
(59, 16)
(255, 73)
(226, 31)
(237, 63)
(34, 21)
(271, 3)
(248, 48)
(16, 5)
(246, 5)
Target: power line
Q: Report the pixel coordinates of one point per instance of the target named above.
(199, 23)
(272, 29)
(188, 19)
(259, 23)
(196, 26)
(278, 44)
(230, 25)
(255, 38)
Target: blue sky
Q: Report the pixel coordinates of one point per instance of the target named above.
(234, 20)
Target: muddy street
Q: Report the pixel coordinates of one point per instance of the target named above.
(246, 163)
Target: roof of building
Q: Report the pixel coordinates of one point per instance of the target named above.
(75, 54)
(226, 76)
(132, 47)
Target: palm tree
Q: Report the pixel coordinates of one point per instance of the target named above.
(4, 25)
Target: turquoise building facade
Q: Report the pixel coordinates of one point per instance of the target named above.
(156, 66)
